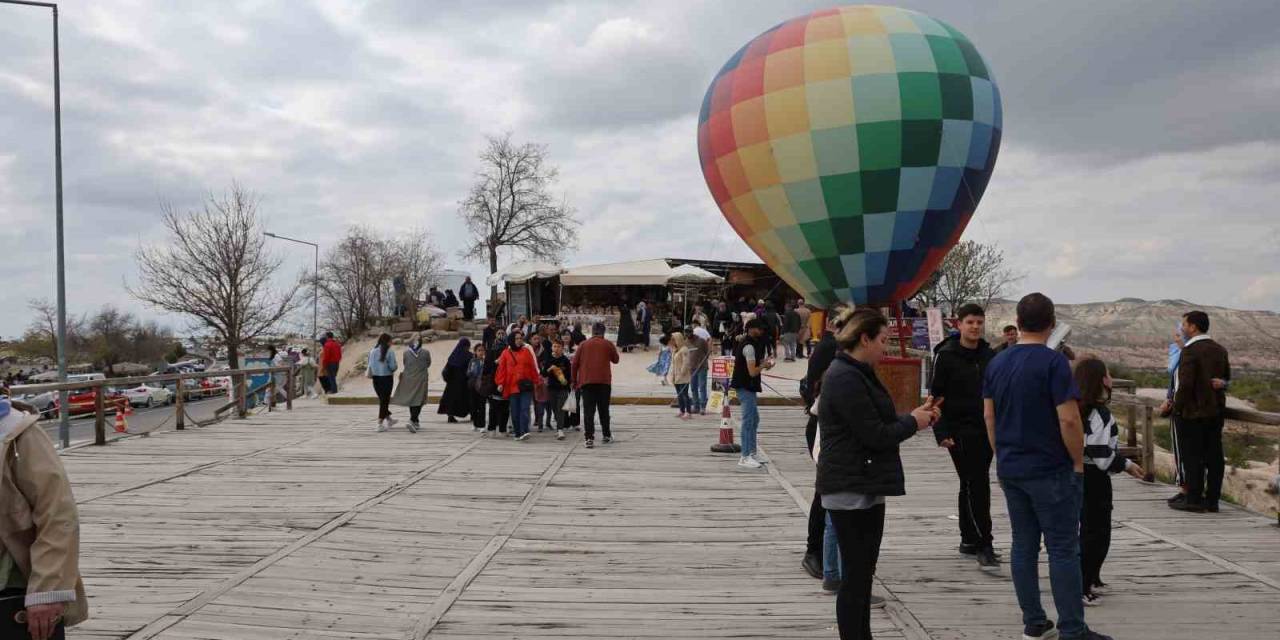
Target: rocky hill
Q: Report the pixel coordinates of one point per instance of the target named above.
(1135, 332)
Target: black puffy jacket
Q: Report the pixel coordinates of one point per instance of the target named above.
(861, 432)
(957, 378)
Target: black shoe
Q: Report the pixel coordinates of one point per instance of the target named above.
(1186, 506)
(1181, 497)
(608, 439)
(969, 549)
(1089, 635)
(590, 444)
(832, 585)
(1211, 507)
(452, 420)
(812, 565)
(987, 560)
(1043, 631)
(877, 602)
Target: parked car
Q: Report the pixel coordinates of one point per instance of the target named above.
(46, 402)
(148, 396)
(80, 401)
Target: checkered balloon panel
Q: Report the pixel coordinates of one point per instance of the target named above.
(849, 148)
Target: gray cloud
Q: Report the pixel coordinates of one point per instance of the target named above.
(1126, 124)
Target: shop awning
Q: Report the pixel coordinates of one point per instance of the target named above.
(689, 274)
(523, 271)
(640, 272)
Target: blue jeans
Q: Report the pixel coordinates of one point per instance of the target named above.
(750, 421)
(682, 398)
(830, 553)
(520, 403)
(698, 387)
(1049, 506)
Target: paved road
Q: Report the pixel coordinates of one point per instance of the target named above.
(141, 420)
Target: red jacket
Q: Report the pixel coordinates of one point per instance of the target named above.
(514, 366)
(593, 362)
(330, 353)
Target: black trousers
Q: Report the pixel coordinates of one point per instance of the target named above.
(595, 398)
(817, 515)
(477, 410)
(11, 602)
(1200, 449)
(499, 413)
(468, 309)
(971, 457)
(859, 533)
(414, 412)
(1095, 525)
(382, 386)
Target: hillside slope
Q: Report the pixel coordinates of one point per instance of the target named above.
(1135, 332)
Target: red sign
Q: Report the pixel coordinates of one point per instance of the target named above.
(721, 367)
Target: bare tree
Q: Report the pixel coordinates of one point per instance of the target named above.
(41, 336)
(511, 205)
(357, 275)
(971, 272)
(214, 268)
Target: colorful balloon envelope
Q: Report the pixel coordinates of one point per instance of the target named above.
(850, 147)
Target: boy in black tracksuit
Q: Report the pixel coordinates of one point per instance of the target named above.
(957, 378)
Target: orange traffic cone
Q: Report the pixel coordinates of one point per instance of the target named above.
(726, 443)
(122, 426)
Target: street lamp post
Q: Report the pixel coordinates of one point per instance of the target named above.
(64, 424)
(315, 288)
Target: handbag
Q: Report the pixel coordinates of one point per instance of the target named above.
(540, 392)
(570, 403)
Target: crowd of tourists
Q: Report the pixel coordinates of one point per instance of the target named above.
(1038, 411)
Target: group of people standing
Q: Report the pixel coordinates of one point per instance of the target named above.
(557, 382)
(1045, 423)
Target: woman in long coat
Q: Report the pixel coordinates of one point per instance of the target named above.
(412, 390)
(627, 337)
(455, 402)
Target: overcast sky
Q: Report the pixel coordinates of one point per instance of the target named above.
(1141, 151)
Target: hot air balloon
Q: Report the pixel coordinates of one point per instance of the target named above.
(849, 148)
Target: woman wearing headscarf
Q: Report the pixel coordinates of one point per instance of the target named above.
(40, 587)
(455, 402)
(626, 329)
(475, 387)
(499, 408)
(450, 300)
(382, 369)
(578, 336)
(412, 390)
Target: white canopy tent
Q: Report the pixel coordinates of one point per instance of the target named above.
(689, 274)
(640, 272)
(523, 271)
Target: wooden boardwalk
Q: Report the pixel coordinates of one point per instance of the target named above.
(308, 524)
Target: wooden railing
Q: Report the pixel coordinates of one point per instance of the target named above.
(1143, 411)
(238, 392)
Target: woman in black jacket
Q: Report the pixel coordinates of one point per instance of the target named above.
(858, 461)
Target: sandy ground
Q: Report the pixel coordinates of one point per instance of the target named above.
(629, 376)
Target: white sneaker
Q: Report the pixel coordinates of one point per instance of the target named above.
(760, 457)
(413, 427)
(382, 426)
(391, 422)
(1091, 600)
(484, 434)
(748, 463)
(559, 434)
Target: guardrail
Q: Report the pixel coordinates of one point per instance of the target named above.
(239, 392)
